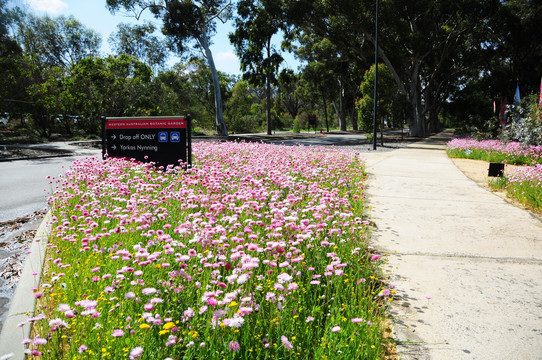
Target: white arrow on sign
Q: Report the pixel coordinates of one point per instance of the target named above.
(113, 147)
(113, 137)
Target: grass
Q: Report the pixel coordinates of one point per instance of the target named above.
(248, 255)
(524, 185)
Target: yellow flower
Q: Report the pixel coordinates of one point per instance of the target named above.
(169, 325)
(162, 332)
(233, 303)
(143, 326)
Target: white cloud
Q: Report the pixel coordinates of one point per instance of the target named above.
(228, 62)
(227, 56)
(49, 6)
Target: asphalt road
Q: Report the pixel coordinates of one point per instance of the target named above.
(24, 186)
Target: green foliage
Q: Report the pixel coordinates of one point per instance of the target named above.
(58, 41)
(114, 86)
(296, 126)
(528, 193)
(240, 114)
(139, 41)
(186, 22)
(200, 86)
(387, 97)
(255, 27)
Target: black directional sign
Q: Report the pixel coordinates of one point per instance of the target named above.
(158, 139)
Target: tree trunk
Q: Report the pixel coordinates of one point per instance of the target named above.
(353, 116)
(268, 90)
(413, 95)
(415, 98)
(354, 119)
(338, 111)
(325, 111)
(342, 118)
(220, 124)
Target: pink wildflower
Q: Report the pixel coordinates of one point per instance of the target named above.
(39, 341)
(136, 352)
(287, 344)
(148, 291)
(233, 346)
(375, 257)
(117, 333)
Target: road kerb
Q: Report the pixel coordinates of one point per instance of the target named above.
(23, 303)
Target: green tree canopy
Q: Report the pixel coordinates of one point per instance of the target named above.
(184, 22)
(255, 26)
(59, 41)
(139, 41)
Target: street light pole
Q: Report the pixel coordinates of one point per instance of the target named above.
(376, 78)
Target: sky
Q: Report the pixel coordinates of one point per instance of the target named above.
(94, 15)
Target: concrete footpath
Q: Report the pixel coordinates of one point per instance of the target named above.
(466, 264)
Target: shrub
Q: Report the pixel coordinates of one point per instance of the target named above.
(296, 126)
(525, 123)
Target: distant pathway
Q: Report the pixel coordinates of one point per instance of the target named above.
(467, 265)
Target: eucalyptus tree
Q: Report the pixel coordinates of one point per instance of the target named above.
(186, 22)
(420, 40)
(386, 97)
(321, 84)
(290, 92)
(59, 41)
(333, 72)
(11, 60)
(201, 87)
(111, 86)
(140, 41)
(256, 24)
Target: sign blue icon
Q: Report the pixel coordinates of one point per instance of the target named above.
(162, 136)
(175, 136)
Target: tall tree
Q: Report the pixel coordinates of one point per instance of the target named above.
(139, 41)
(112, 86)
(59, 41)
(334, 68)
(321, 84)
(257, 23)
(420, 40)
(186, 21)
(240, 109)
(386, 97)
(290, 92)
(201, 88)
(10, 62)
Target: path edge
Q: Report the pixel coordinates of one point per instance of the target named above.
(23, 303)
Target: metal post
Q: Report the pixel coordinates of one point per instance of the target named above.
(376, 78)
(104, 148)
(189, 139)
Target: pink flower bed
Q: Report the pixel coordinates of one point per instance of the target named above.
(258, 251)
(508, 152)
